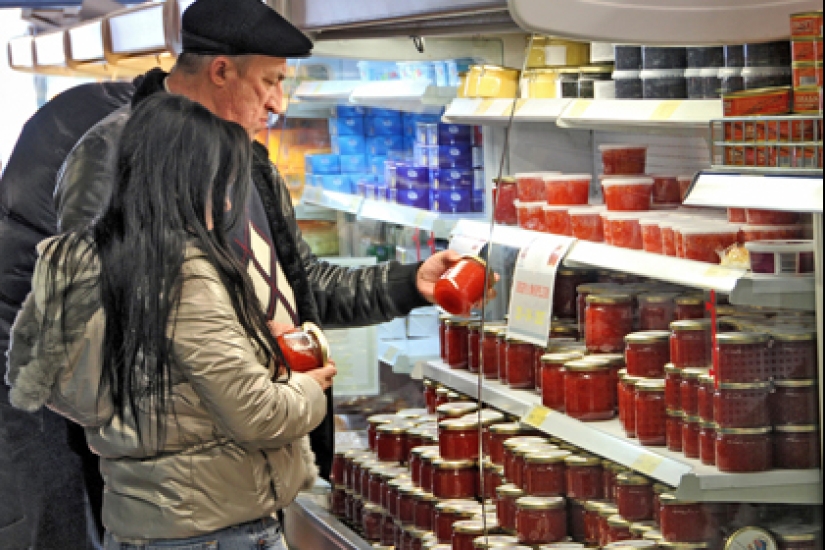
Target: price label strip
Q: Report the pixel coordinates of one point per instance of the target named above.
(467, 246)
(534, 281)
(536, 417)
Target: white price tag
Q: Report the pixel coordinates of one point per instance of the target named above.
(534, 281)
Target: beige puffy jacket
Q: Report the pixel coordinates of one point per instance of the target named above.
(235, 449)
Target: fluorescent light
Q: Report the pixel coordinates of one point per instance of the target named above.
(50, 50)
(139, 31)
(86, 42)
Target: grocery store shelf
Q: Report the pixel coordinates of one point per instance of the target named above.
(403, 95)
(778, 189)
(440, 224)
(487, 112)
(617, 114)
(330, 199)
(404, 355)
(743, 288)
(332, 91)
(309, 525)
(694, 480)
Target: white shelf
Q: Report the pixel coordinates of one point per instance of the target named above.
(627, 113)
(331, 91)
(487, 112)
(341, 202)
(403, 95)
(743, 288)
(404, 355)
(694, 480)
(735, 189)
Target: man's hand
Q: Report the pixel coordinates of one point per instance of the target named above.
(325, 375)
(435, 267)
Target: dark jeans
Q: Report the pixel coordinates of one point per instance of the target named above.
(262, 534)
(43, 503)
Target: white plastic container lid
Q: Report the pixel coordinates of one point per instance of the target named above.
(617, 146)
(693, 73)
(709, 72)
(628, 181)
(664, 176)
(654, 220)
(751, 72)
(569, 177)
(781, 247)
(587, 210)
(525, 175)
(711, 229)
(656, 74)
(625, 216)
(536, 205)
(555, 208)
(627, 75)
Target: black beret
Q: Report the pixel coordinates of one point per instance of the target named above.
(240, 27)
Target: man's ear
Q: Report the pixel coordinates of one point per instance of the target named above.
(219, 70)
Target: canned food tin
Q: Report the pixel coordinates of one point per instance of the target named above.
(806, 25)
(760, 156)
(806, 50)
(808, 100)
(764, 101)
(770, 130)
(807, 74)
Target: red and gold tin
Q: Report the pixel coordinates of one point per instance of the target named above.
(807, 74)
(806, 50)
(763, 101)
(807, 100)
(806, 25)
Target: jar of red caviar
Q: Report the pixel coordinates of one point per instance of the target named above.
(391, 442)
(507, 495)
(606, 512)
(797, 537)
(575, 519)
(589, 391)
(407, 495)
(457, 347)
(458, 439)
(493, 479)
(390, 475)
(428, 469)
(614, 361)
(586, 290)
(388, 534)
(449, 411)
(501, 346)
(338, 501)
(446, 514)
(738, 405)
(689, 390)
(673, 387)
(683, 521)
(658, 490)
(626, 398)
(592, 517)
(510, 446)
(393, 498)
(610, 472)
(375, 479)
(744, 450)
(794, 402)
(429, 395)
(520, 363)
(545, 474)
(424, 511)
(584, 477)
(372, 522)
(489, 344)
(634, 497)
(673, 437)
(647, 353)
(707, 443)
(656, 311)
(704, 397)
(651, 425)
(338, 465)
(618, 529)
(691, 344)
(690, 308)
(461, 286)
(519, 454)
(358, 471)
(609, 320)
(690, 436)
(794, 355)
(565, 294)
(796, 447)
(465, 532)
(742, 357)
(455, 479)
(541, 520)
(499, 433)
(414, 539)
(373, 423)
(455, 397)
(349, 503)
(474, 347)
(442, 396)
(552, 376)
(415, 438)
(488, 418)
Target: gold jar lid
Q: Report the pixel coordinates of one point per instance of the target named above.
(459, 425)
(639, 528)
(661, 488)
(489, 417)
(394, 429)
(455, 507)
(708, 425)
(608, 510)
(651, 385)
(707, 380)
(648, 337)
(495, 541)
(514, 442)
(586, 366)
(540, 503)
(411, 414)
(669, 499)
(795, 533)
(670, 368)
(459, 321)
(410, 490)
(652, 298)
(561, 358)
(612, 359)
(494, 330)
(740, 338)
(471, 527)
(442, 391)
(795, 383)
(609, 299)
(794, 336)
(745, 386)
(595, 505)
(690, 300)
(579, 461)
(394, 473)
(694, 325)
(430, 383)
(415, 533)
(655, 535)
(675, 413)
(456, 410)
(618, 522)
(532, 448)
(426, 497)
(455, 396)
(630, 381)
(632, 479)
(371, 507)
(518, 342)
(808, 428)
(614, 467)
(693, 373)
(494, 468)
(453, 464)
(683, 545)
(551, 457)
(693, 420)
(510, 491)
(399, 482)
(511, 428)
(378, 419)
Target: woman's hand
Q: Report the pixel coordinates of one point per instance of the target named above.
(324, 375)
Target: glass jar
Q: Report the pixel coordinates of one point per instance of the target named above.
(797, 537)
(388, 534)
(499, 433)
(393, 498)
(744, 450)
(466, 532)
(457, 346)
(541, 520)
(428, 469)
(446, 514)
(651, 425)
(373, 423)
(589, 391)
(796, 447)
(704, 397)
(552, 378)
(507, 495)
(606, 512)
(610, 472)
(306, 349)
(656, 311)
(519, 465)
(407, 496)
(689, 308)
(424, 511)
(690, 436)
(575, 519)
(647, 353)
(338, 464)
(455, 479)
(493, 479)
(391, 442)
(707, 443)
(458, 439)
(489, 345)
(372, 522)
(689, 390)
(639, 528)
(794, 355)
(592, 517)
(675, 420)
(520, 362)
(461, 286)
(489, 418)
(545, 474)
(618, 529)
(742, 357)
(510, 447)
(691, 344)
(737, 405)
(455, 410)
(683, 521)
(474, 347)
(634, 497)
(442, 396)
(565, 294)
(338, 501)
(673, 388)
(490, 542)
(429, 395)
(501, 346)
(609, 320)
(626, 399)
(584, 478)
(794, 402)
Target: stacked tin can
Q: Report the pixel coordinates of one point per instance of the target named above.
(806, 32)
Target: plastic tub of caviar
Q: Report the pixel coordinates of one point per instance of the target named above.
(628, 58)
(625, 230)
(770, 217)
(628, 194)
(767, 54)
(557, 220)
(664, 84)
(567, 189)
(781, 257)
(754, 78)
(586, 223)
(731, 80)
(707, 244)
(531, 215)
(666, 189)
(624, 159)
(629, 84)
(531, 187)
(506, 194)
(664, 57)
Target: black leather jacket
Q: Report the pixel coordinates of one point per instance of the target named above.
(331, 296)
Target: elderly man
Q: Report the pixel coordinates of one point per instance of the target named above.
(234, 61)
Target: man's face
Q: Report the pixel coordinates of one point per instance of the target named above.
(254, 90)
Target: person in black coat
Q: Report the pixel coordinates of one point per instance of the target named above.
(44, 485)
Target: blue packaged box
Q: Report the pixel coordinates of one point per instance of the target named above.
(384, 126)
(382, 145)
(423, 131)
(478, 200)
(422, 154)
(339, 182)
(343, 111)
(383, 113)
(451, 157)
(409, 143)
(323, 164)
(375, 165)
(407, 177)
(449, 134)
(418, 197)
(353, 164)
(450, 179)
(346, 126)
(349, 145)
(451, 201)
(413, 118)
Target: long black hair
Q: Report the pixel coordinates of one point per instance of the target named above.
(175, 162)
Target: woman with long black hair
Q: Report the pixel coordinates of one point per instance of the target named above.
(145, 330)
